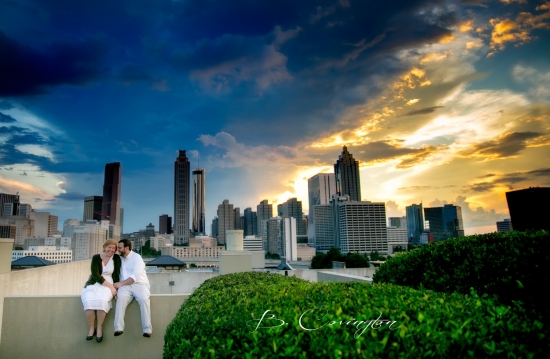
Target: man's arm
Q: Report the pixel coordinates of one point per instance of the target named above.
(138, 267)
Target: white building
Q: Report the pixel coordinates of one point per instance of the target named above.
(45, 224)
(88, 239)
(287, 240)
(305, 253)
(361, 227)
(252, 243)
(193, 252)
(397, 237)
(49, 253)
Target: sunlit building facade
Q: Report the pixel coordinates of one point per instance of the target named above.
(199, 201)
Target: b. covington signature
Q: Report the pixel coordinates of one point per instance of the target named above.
(360, 325)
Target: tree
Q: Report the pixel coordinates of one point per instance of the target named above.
(324, 261)
(374, 256)
(192, 265)
(356, 260)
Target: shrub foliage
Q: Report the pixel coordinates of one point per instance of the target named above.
(222, 320)
(513, 265)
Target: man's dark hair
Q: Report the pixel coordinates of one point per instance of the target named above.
(126, 243)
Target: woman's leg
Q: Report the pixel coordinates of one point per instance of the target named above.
(100, 319)
(90, 317)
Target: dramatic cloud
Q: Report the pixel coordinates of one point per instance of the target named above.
(506, 145)
(6, 118)
(70, 196)
(422, 111)
(29, 71)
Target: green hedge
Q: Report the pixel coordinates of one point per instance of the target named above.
(515, 266)
(219, 320)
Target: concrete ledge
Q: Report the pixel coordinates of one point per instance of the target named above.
(55, 327)
(341, 277)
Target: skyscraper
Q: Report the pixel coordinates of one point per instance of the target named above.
(504, 225)
(321, 188)
(93, 205)
(165, 224)
(445, 222)
(250, 222)
(292, 208)
(237, 218)
(528, 208)
(346, 175)
(199, 200)
(111, 193)
(263, 211)
(226, 220)
(7, 198)
(181, 199)
(415, 223)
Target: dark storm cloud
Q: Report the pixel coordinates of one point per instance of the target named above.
(6, 118)
(20, 136)
(5, 105)
(70, 196)
(422, 111)
(511, 180)
(504, 146)
(27, 70)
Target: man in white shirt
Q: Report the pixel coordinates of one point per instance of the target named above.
(133, 284)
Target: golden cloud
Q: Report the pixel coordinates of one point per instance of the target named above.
(435, 57)
(466, 26)
(518, 31)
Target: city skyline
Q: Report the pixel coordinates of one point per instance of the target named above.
(441, 102)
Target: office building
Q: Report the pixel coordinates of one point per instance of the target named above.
(165, 224)
(445, 222)
(237, 218)
(252, 243)
(397, 237)
(250, 222)
(93, 207)
(7, 198)
(149, 231)
(111, 193)
(398, 222)
(287, 240)
(415, 223)
(504, 225)
(361, 226)
(293, 209)
(45, 224)
(88, 239)
(215, 227)
(121, 220)
(321, 188)
(48, 253)
(11, 209)
(226, 220)
(8, 231)
(25, 209)
(528, 208)
(24, 228)
(263, 211)
(199, 201)
(347, 177)
(324, 227)
(181, 199)
(271, 234)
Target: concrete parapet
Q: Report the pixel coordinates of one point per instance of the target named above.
(6, 246)
(341, 277)
(55, 327)
(258, 259)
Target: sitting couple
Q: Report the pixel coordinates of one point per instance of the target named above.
(122, 278)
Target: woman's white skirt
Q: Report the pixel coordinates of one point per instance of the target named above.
(97, 297)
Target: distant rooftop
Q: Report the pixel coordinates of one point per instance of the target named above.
(30, 261)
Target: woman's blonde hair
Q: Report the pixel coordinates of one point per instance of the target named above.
(108, 243)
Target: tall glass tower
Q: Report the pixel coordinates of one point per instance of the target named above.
(181, 199)
(199, 200)
(415, 223)
(111, 193)
(346, 173)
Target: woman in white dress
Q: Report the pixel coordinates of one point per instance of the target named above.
(99, 291)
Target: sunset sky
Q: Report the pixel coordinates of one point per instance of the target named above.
(440, 101)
